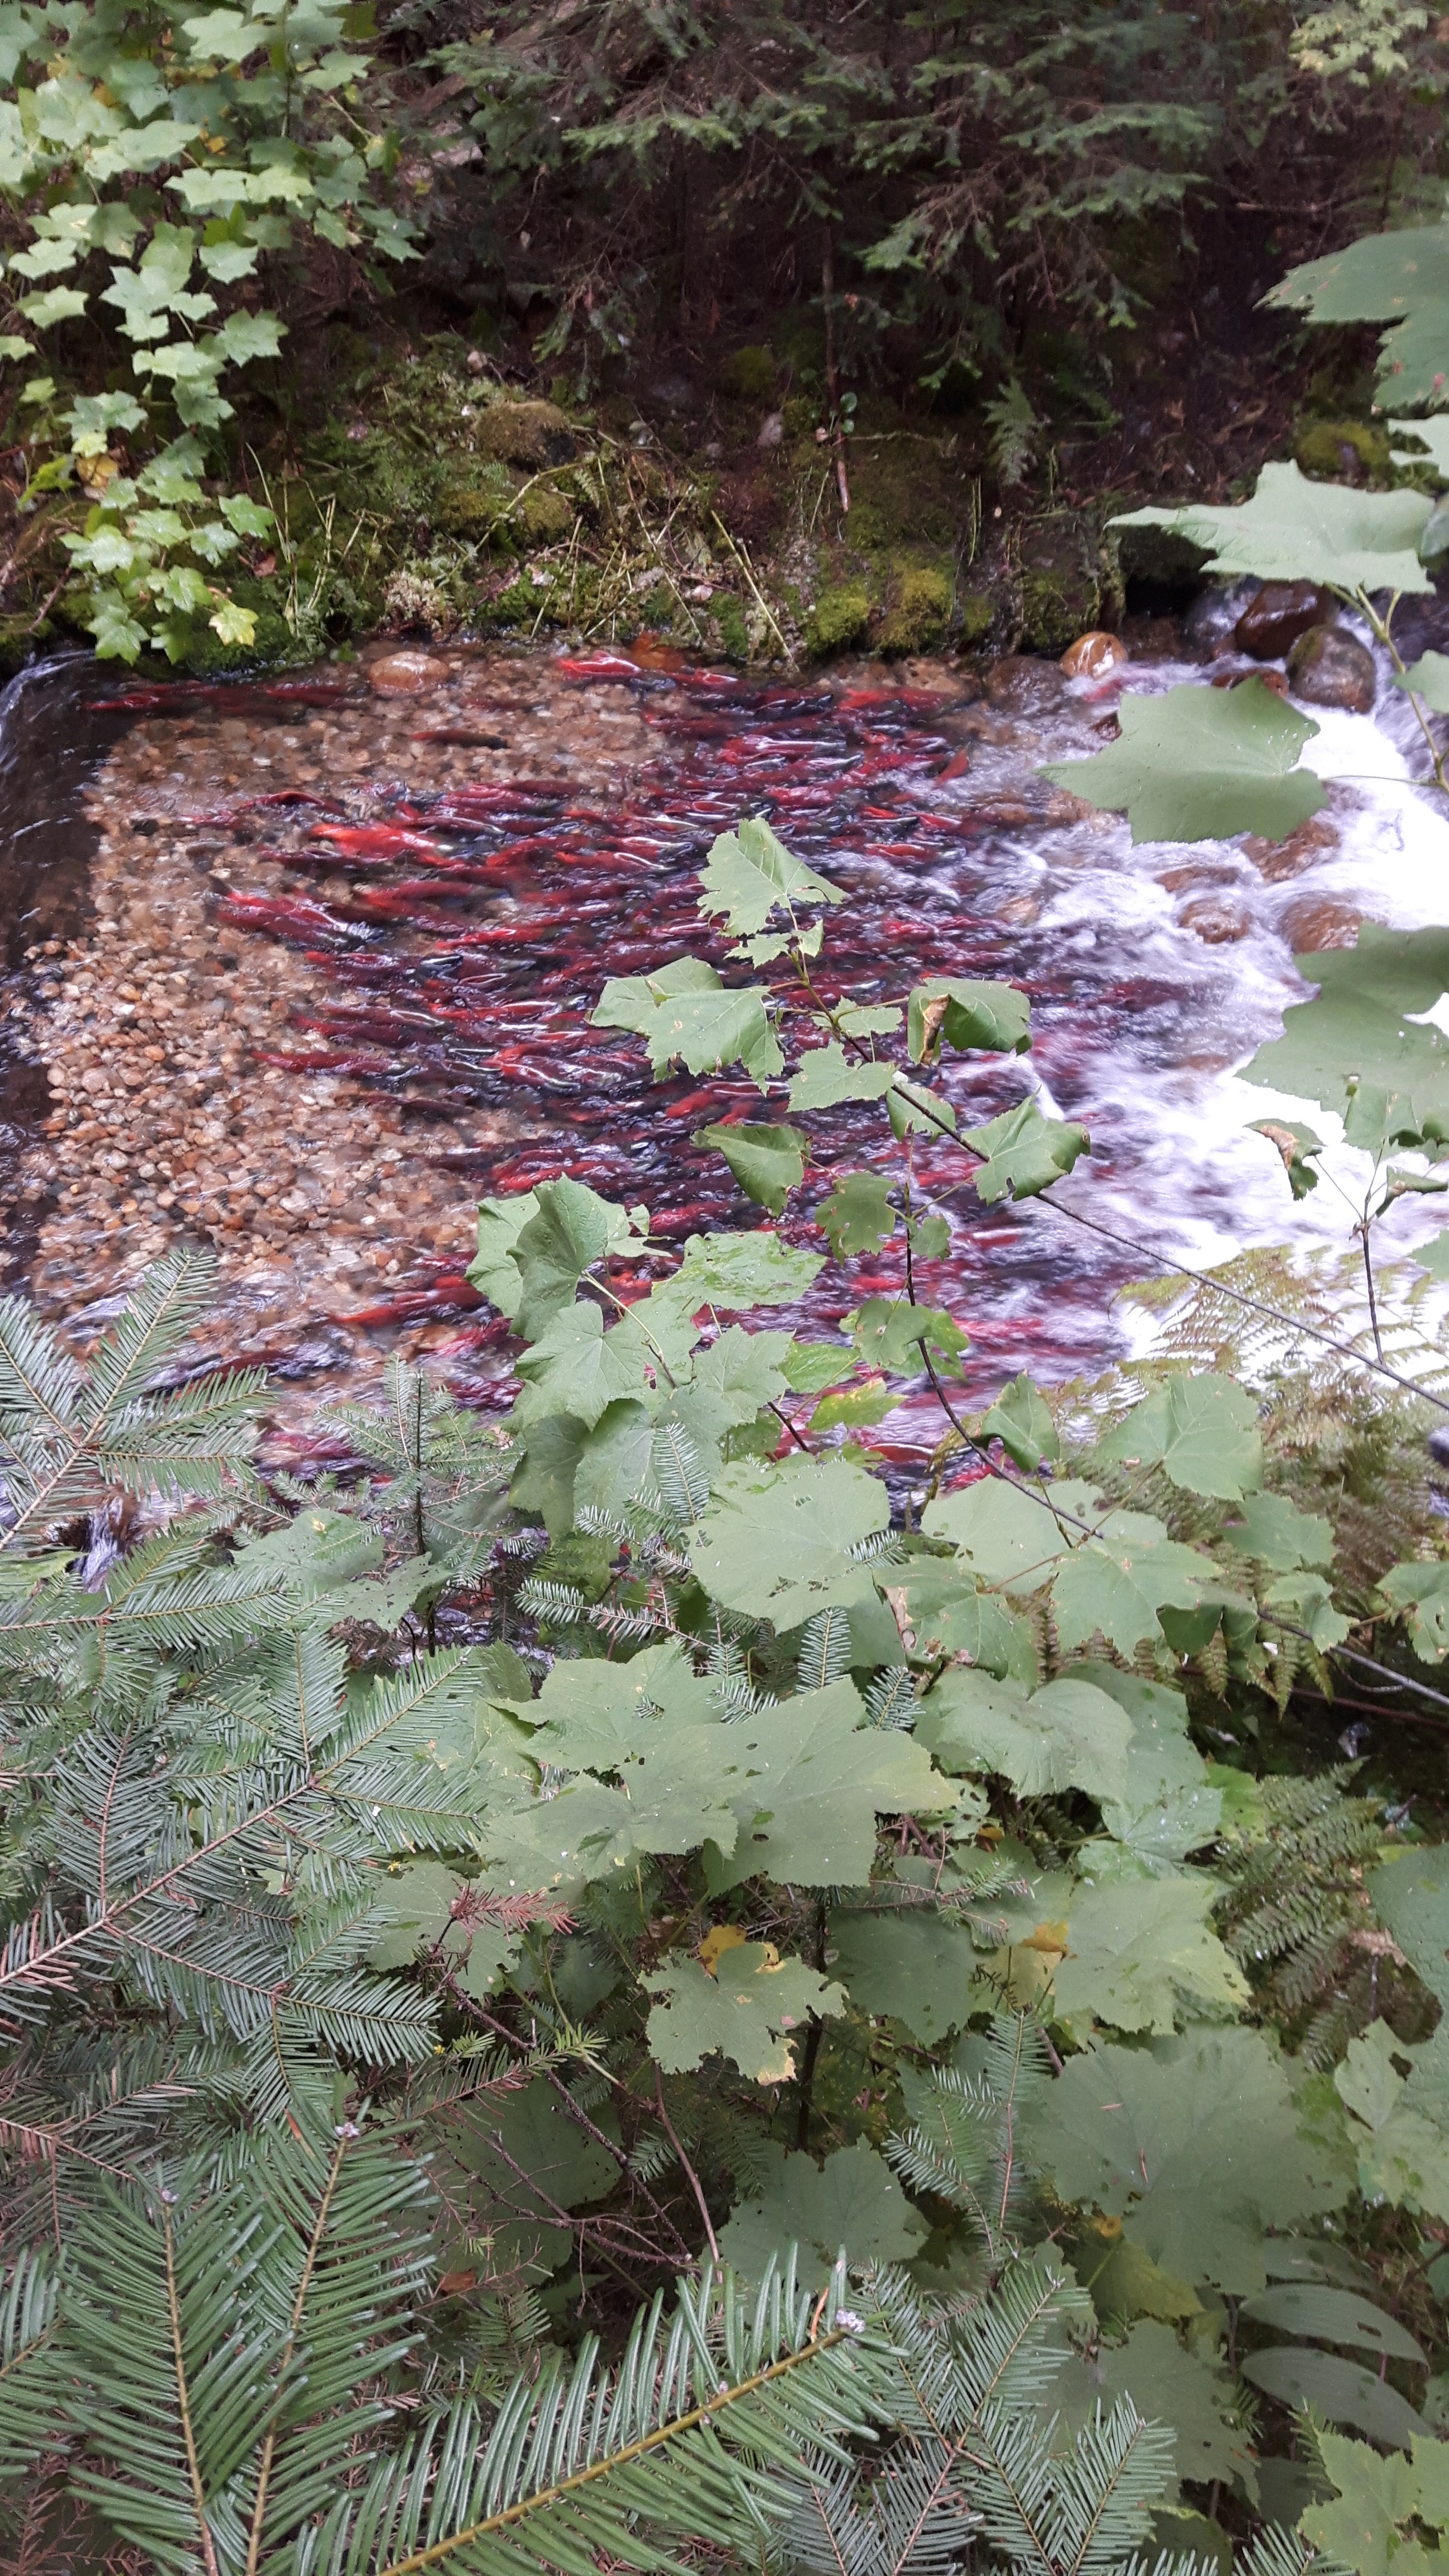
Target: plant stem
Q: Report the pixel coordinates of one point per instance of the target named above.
(696, 2186)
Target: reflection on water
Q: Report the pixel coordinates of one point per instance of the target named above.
(343, 944)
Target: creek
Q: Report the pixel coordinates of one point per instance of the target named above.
(301, 968)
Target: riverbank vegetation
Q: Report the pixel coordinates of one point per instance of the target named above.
(782, 333)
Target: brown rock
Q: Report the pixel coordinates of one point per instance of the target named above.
(1093, 655)
(1234, 676)
(1278, 615)
(1195, 876)
(1317, 921)
(1331, 669)
(405, 675)
(1216, 919)
(1276, 860)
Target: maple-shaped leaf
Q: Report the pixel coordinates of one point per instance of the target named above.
(892, 1334)
(1362, 1045)
(591, 1716)
(1421, 1592)
(1401, 278)
(1277, 1534)
(1010, 1534)
(853, 2200)
(1170, 1806)
(570, 1229)
(768, 1162)
(1366, 2524)
(1202, 1431)
(827, 1075)
(687, 1016)
(912, 1964)
(1140, 1957)
(940, 1610)
(1196, 2144)
(1428, 678)
(1200, 764)
(858, 1215)
(1294, 529)
(528, 2160)
(743, 2011)
(807, 1779)
(1188, 2390)
(1065, 1736)
(1023, 1152)
(1410, 1894)
(1021, 1421)
(749, 874)
(734, 1272)
(777, 1540)
(1117, 1582)
(576, 1367)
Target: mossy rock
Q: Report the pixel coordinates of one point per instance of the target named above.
(546, 516)
(839, 618)
(748, 375)
(1343, 451)
(919, 600)
(206, 656)
(534, 434)
(731, 627)
(975, 611)
(475, 501)
(518, 605)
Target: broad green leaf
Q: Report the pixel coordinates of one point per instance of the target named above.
(1142, 1957)
(1278, 1535)
(592, 1716)
(1412, 1897)
(915, 1110)
(1430, 434)
(1296, 530)
(853, 2200)
(966, 1015)
(1201, 764)
(686, 1015)
(743, 2011)
(1433, 1257)
(1422, 1593)
(1307, 1600)
(939, 1611)
(1065, 1736)
(1020, 1420)
(1401, 278)
(737, 1271)
(1118, 1582)
(777, 1540)
(1327, 2315)
(673, 1800)
(1202, 1431)
(1194, 2143)
(734, 1377)
(913, 1965)
(57, 304)
(1010, 1535)
(1171, 1807)
(1362, 2527)
(810, 1367)
(892, 1334)
(827, 1076)
(768, 1162)
(749, 874)
(1397, 2126)
(1343, 2391)
(576, 1367)
(858, 1215)
(1360, 1045)
(543, 1480)
(1297, 1148)
(570, 1229)
(1428, 678)
(855, 1407)
(234, 625)
(547, 2162)
(244, 336)
(808, 1779)
(493, 1271)
(1167, 2385)
(419, 1906)
(868, 1019)
(611, 1464)
(1023, 1152)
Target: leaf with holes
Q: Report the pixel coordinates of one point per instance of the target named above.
(743, 2011)
(777, 1540)
(1325, 2315)
(808, 1779)
(939, 1611)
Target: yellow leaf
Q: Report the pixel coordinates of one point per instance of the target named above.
(722, 1937)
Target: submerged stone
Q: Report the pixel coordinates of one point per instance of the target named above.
(406, 675)
(1331, 669)
(1093, 655)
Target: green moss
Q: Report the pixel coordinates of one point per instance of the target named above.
(475, 501)
(748, 374)
(533, 434)
(918, 610)
(729, 619)
(799, 416)
(1334, 451)
(974, 613)
(515, 606)
(839, 618)
(546, 516)
(1060, 591)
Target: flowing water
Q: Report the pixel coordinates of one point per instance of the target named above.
(302, 968)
